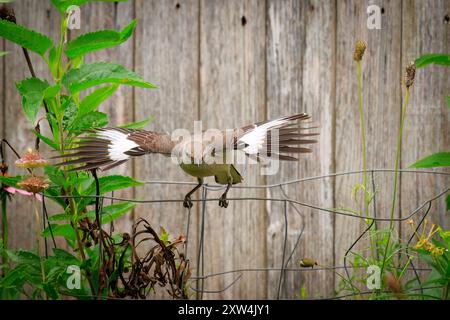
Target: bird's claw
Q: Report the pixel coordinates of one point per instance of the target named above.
(187, 202)
(223, 202)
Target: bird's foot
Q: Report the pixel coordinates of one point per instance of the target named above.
(223, 202)
(187, 202)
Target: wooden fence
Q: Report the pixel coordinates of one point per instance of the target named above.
(233, 62)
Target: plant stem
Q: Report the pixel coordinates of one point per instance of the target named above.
(38, 229)
(397, 164)
(364, 152)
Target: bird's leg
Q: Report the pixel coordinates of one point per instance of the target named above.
(223, 202)
(187, 202)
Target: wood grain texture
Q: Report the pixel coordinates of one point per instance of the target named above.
(300, 78)
(230, 63)
(167, 55)
(41, 17)
(120, 106)
(425, 30)
(232, 94)
(381, 104)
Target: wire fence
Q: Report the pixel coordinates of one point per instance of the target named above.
(198, 281)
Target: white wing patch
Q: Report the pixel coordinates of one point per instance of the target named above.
(119, 144)
(256, 137)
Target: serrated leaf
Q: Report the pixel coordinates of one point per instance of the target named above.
(433, 58)
(93, 100)
(90, 75)
(137, 125)
(70, 111)
(32, 92)
(24, 37)
(63, 5)
(440, 159)
(98, 40)
(89, 121)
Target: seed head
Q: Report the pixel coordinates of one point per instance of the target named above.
(34, 184)
(360, 48)
(7, 13)
(410, 74)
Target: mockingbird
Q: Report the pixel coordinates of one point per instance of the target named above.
(197, 154)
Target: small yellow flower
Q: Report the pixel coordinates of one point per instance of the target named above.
(437, 252)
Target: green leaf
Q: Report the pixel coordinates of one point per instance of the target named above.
(447, 202)
(112, 212)
(433, 58)
(89, 75)
(137, 125)
(52, 91)
(70, 111)
(46, 140)
(440, 159)
(24, 37)
(61, 230)
(11, 181)
(447, 100)
(112, 183)
(63, 5)
(92, 101)
(32, 92)
(98, 40)
(3, 53)
(89, 121)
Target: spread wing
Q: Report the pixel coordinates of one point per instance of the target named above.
(272, 139)
(110, 147)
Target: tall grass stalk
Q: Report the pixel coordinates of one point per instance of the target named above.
(396, 168)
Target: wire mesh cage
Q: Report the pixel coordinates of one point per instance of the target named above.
(298, 263)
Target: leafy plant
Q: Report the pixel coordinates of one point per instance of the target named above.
(103, 258)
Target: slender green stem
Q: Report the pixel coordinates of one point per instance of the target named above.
(397, 164)
(367, 198)
(363, 131)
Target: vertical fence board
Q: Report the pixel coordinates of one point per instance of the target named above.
(41, 17)
(292, 56)
(232, 94)
(120, 106)
(300, 71)
(425, 30)
(166, 54)
(381, 104)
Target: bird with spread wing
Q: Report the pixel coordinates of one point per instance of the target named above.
(267, 140)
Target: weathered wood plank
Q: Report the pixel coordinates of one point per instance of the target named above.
(232, 92)
(120, 106)
(167, 55)
(43, 18)
(425, 30)
(300, 78)
(381, 102)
